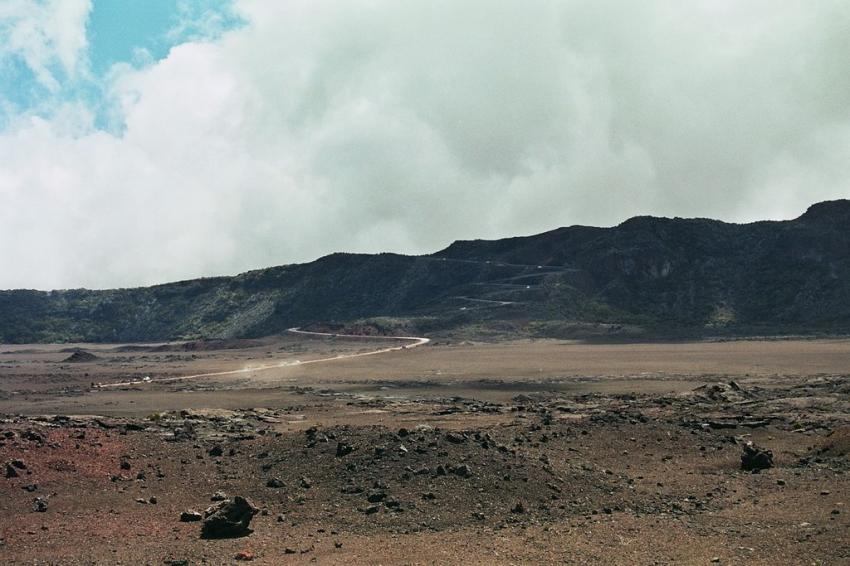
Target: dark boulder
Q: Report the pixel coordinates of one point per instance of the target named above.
(343, 449)
(190, 516)
(376, 496)
(33, 436)
(228, 519)
(754, 459)
(39, 504)
(463, 471)
(455, 438)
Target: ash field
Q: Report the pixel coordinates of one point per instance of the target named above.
(332, 449)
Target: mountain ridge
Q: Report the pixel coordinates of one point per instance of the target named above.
(646, 276)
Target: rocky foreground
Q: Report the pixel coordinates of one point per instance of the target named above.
(727, 473)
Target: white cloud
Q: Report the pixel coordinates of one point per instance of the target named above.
(368, 125)
(48, 35)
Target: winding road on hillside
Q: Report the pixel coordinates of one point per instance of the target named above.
(414, 342)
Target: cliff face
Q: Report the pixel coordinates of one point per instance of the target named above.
(659, 274)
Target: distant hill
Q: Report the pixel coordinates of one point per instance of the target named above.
(646, 277)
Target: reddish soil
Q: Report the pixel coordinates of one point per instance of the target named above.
(568, 467)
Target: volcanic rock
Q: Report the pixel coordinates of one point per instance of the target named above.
(455, 438)
(33, 436)
(81, 356)
(230, 518)
(463, 471)
(39, 504)
(754, 459)
(343, 449)
(376, 496)
(190, 516)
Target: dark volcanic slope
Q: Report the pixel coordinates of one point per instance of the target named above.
(645, 275)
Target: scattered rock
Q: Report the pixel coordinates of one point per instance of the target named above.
(343, 449)
(11, 472)
(463, 471)
(215, 451)
(39, 504)
(275, 482)
(229, 518)
(190, 516)
(755, 459)
(80, 356)
(455, 437)
(245, 555)
(722, 392)
(376, 496)
(33, 436)
(218, 496)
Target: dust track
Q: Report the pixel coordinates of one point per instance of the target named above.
(415, 341)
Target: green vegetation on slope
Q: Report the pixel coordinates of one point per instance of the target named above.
(656, 275)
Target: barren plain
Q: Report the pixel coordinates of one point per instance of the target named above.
(523, 452)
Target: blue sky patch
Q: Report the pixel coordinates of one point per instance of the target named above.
(137, 32)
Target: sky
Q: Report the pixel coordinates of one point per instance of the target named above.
(146, 141)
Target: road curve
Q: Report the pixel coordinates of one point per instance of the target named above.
(415, 341)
